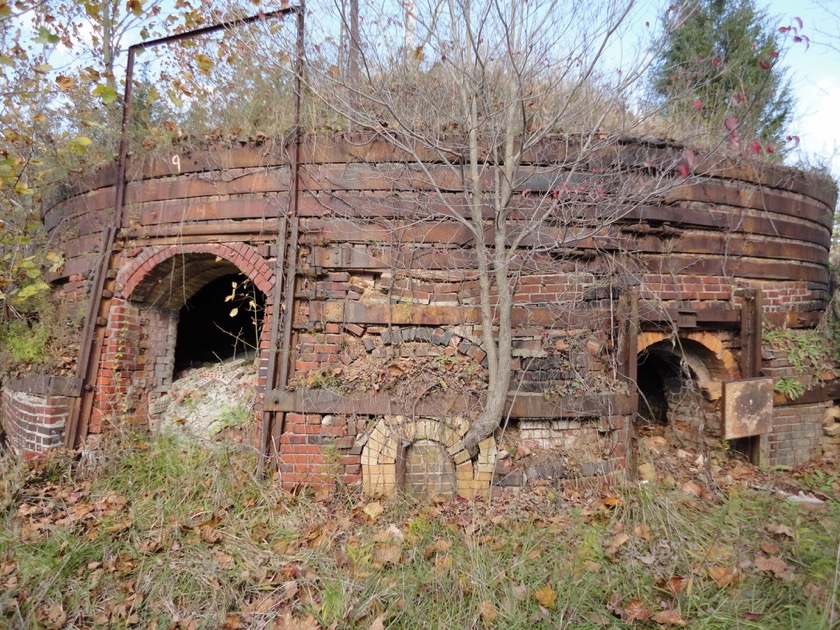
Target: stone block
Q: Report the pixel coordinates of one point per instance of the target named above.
(512, 479)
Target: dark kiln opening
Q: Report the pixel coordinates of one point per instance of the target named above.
(221, 321)
(679, 390)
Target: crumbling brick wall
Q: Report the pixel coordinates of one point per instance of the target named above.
(373, 284)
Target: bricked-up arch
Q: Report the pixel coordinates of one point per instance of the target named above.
(388, 451)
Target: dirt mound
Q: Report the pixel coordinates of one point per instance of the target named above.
(212, 401)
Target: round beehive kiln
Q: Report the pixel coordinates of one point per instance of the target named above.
(371, 365)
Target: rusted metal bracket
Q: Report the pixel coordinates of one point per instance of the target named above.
(750, 332)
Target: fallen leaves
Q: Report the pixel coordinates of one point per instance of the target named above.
(611, 552)
(374, 510)
(387, 554)
(775, 565)
(546, 596)
(675, 584)
(488, 613)
(780, 530)
(722, 576)
(669, 617)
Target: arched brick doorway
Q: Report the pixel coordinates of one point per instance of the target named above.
(161, 286)
(679, 382)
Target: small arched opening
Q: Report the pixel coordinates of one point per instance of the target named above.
(679, 385)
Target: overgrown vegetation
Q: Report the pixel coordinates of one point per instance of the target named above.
(810, 351)
(720, 70)
(167, 534)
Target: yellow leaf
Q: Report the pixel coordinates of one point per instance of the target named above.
(439, 546)
(64, 83)
(642, 531)
(722, 576)
(546, 596)
(669, 618)
(387, 555)
(374, 510)
(488, 612)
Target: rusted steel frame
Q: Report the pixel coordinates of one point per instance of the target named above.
(128, 100)
(287, 287)
(629, 330)
(820, 392)
(76, 421)
(87, 367)
(750, 332)
(522, 406)
(400, 465)
(271, 368)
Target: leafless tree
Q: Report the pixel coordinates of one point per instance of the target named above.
(526, 104)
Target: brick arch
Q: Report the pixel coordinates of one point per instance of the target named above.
(392, 433)
(136, 282)
(705, 347)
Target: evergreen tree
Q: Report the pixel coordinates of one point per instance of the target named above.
(719, 73)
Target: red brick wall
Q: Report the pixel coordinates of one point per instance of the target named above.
(34, 423)
(797, 434)
(320, 449)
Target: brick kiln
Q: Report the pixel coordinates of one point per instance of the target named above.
(371, 365)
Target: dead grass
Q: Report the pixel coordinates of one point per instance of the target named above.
(172, 535)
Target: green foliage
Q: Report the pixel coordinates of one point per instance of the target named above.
(791, 388)
(22, 343)
(233, 416)
(721, 61)
(808, 350)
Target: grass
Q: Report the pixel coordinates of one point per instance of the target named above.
(173, 535)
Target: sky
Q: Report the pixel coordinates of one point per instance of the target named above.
(814, 72)
(815, 77)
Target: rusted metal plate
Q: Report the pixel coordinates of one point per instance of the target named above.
(747, 407)
(521, 406)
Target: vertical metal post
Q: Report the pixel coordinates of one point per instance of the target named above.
(284, 285)
(751, 323)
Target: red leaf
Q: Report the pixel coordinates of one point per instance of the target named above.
(794, 139)
(784, 29)
(730, 123)
(770, 148)
(798, 20)
(698, 104)
(755, 146)
(683, 169)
